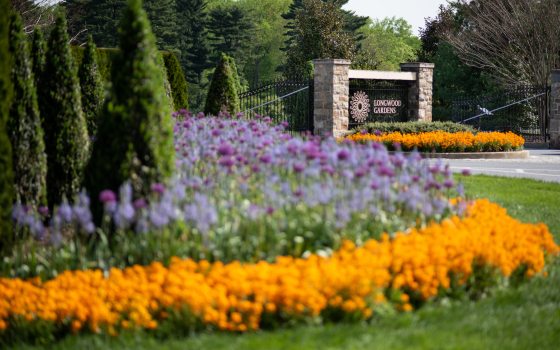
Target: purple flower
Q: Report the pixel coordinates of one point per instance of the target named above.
(158, 188)
(140, 203)
(226, 161)
(466, 172)
(299, 167)
(343, 154)
(107, 196)
(225, 149)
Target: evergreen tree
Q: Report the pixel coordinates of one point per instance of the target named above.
(163, 18)
(352, 22)
(177, 81)
(38, 52)
(135, 136)
(318, 33)
(99, 17)
(6, 174)
(91, 86)
(231, 31)
(66, 138)
(194, 43)
(223, 92)
(24, 124)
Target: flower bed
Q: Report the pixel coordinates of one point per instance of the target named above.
(355, 282)
(440, 141)
(243, 190)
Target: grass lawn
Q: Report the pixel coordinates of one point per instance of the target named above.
(517, 318)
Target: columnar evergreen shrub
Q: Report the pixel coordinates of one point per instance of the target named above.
(223, 94)
(6, 175)
(24, 123)
(38, 52)
(91, 86)
(66, 137)
(135, 136)
(177, 80)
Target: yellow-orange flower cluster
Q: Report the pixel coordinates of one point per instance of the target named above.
(441, 141)
(235, 296)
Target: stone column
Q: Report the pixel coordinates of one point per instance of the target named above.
(332, 87)
(554, 126)
(420, 94)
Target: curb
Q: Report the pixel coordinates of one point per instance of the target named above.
(479, 155)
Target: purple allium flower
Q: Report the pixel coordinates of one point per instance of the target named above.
(107, 196)
(140, 203)
(225, 149)
(158, 188)
(448, 183)
(298, 167)
(226, 161)
(44, 211)
(343, 154)
(466, 172)
(265, 159)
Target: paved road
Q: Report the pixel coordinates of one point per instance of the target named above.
(542, 165)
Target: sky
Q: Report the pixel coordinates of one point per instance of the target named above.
(414, 11)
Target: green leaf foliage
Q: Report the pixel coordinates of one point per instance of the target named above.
(414, 127)
(177, 80)
(66, 137)
(163, 19)
(91, 85)
(6, 174)
(135, 136)
(24, 124)
(223, 94)
(318, 32)
(386, 44)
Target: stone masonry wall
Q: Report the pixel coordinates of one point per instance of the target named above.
(331, 97)
(420, 95)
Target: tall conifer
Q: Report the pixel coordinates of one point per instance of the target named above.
(24, 124)
(66, 137)
(6, 174)
(223, 94)
(91, 86)
(135, 135)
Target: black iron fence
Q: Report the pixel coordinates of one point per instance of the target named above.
(522, 109)
(289, 100)
(377, 101)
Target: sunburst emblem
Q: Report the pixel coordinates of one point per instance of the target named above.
(359, 106)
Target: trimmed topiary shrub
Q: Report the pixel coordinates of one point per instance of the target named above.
(38, 54)
(91, 86)
(66, 137)
(24, 124)
(135, 135)
(223, 92)
(6, 174)
(177, 81)
(413, 127)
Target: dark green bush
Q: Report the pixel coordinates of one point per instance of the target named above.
(66, 137)
(6, 174)
(38, 52)
(91, 86)
(177, 80)
(135, 135)
(223, 94)
(413, 127)
(24, 123)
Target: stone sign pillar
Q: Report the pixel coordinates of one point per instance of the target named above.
(331, 90)
(421, 91)
(554, 127)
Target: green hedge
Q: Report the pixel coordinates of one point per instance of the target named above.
(413, 127)
(106, 57)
